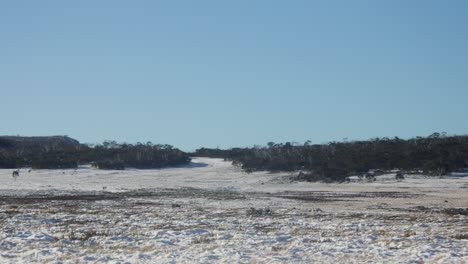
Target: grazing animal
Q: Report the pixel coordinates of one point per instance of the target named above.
(399, 176)
(370, 177)
(15, 174)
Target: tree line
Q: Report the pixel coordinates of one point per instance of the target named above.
(60, 152)
(436, 154)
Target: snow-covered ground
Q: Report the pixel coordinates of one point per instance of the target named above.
(213, 212)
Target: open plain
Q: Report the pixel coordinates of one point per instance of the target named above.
(213, 212)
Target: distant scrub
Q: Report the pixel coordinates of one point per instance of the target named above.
(63, 152)
(111, 155)
(55, 160)
(39, 152)
(434, 155)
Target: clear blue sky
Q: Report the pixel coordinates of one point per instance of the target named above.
(233, 73)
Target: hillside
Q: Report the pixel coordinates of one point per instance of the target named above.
(50, 142)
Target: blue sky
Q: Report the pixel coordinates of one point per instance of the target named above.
(233, 73)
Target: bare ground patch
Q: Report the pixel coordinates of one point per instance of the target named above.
(323, 196)
(41, 197)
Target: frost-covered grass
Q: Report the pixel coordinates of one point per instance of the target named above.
(212, 212)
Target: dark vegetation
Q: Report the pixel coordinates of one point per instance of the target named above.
(111, 155)
(59, 152)
(436, 154)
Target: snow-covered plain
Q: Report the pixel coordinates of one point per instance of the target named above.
(213, 212)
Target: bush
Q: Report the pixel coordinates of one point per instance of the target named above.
(109, 165)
